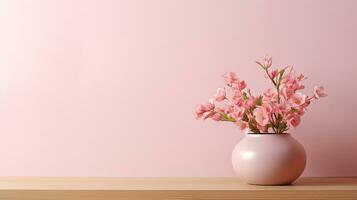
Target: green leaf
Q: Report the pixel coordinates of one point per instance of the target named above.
(294, 109)
(225, 117)
(281, 73)
(282, 127)
(245, 96)
(259, 101)
(260, 64)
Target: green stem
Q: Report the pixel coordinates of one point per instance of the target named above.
(266, 71)
(277, 88)
(225, 117)
(277, 85)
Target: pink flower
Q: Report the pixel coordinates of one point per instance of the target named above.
(230, 77)
(242, 125)
(300, 112)
(268, 61)
(301, 77)
(273, 73)
(220, 95)
(228, 109)
(220, 110)
(298, 99)
(295, 121)
(270, 94)
(282, 108)
(319, 91)
(209, 106)
(296, 86)
(216, 116)
(237, 98)
(239, 85)
(261, 116)
(238, 114)
(205, 110)
(287, 93)
(262, 129)
(268, 108)
(306, 104)
(291, 82)
(278, 106)
(287, 78)
(242, 85)
(200, 110)
(249, 103)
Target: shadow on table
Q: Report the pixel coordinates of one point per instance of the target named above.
(325, 181)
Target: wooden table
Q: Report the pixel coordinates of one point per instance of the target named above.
(171, 188)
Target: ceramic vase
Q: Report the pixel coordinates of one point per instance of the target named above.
(269, 159)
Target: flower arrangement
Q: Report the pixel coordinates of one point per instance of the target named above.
(277, 110)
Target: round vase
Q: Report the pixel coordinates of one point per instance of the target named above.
(269, 159)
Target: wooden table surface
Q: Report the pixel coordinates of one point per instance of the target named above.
(33, 188)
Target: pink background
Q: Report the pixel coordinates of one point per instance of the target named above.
(108, 88)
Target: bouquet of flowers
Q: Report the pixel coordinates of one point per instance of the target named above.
(276, 110)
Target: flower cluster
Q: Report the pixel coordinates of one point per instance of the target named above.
(277, 110)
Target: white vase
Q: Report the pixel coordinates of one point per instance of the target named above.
(269, 159)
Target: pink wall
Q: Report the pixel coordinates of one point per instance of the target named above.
(108, 88)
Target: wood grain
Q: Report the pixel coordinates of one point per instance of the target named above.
(31, 188)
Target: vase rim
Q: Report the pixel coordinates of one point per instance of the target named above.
(266, 133)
